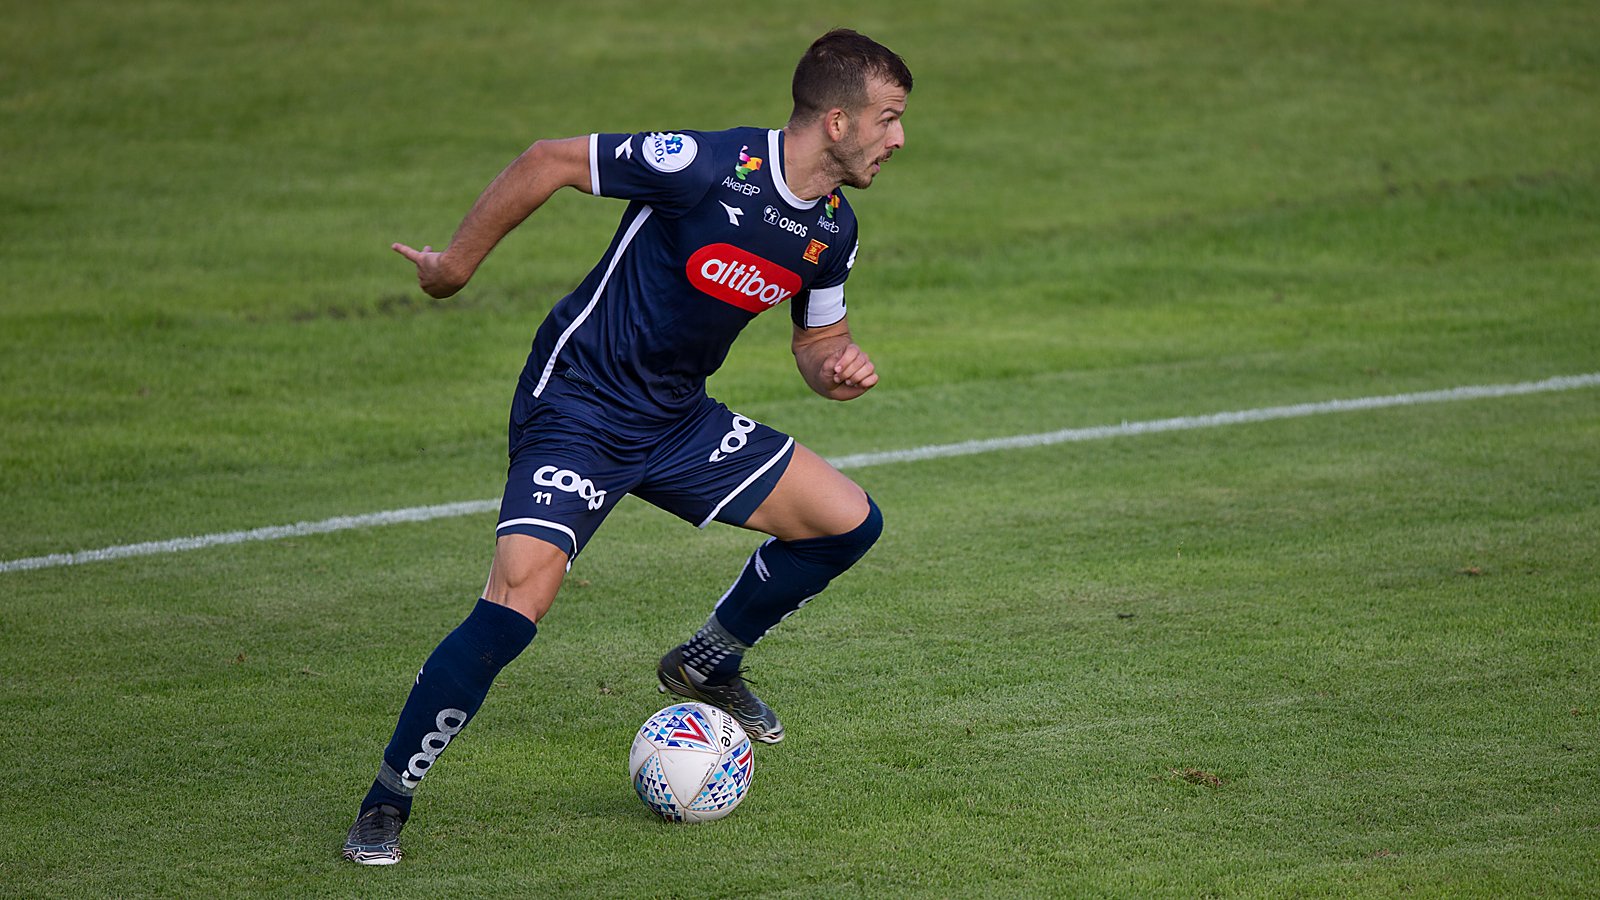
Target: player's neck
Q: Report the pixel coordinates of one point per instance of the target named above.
(806, 163)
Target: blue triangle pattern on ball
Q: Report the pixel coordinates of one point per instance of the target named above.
(652, 786)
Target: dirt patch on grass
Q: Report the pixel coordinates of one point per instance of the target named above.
(1198, 776)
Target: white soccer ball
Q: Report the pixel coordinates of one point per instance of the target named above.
(691, 763)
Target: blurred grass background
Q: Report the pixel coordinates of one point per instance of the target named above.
(1374, 631)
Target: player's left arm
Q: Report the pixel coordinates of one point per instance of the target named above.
(519, 189)
(831, 362)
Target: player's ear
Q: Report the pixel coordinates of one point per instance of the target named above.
(837, 123)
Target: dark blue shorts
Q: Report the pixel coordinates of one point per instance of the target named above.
(567, 472)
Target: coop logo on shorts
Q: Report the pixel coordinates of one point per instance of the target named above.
(449, 722)
(734, 440)
(571, 482)
(740, 278)
(669, 152)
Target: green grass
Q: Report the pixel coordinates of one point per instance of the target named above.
(1343, 655)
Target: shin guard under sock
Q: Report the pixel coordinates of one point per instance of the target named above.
(778, 579)
(448, 691)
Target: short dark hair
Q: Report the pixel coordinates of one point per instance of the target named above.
(833, 73)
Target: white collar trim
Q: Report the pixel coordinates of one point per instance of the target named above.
(777, 175)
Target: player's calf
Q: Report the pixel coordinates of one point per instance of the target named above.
(778, 578)
(781, 576)
(448, 690)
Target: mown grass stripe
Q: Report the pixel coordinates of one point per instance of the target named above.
(853, 461)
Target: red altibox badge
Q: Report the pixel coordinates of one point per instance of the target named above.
(741, 278)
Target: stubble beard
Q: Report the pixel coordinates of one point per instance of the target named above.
(852, 167)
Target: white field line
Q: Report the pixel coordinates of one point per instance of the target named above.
(854, 461)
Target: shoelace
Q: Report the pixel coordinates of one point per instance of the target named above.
(737, 678)
(377, 827)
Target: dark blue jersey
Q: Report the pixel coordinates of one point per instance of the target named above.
(712, 237)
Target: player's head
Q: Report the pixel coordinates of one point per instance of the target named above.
(855, 88)
(834, 71)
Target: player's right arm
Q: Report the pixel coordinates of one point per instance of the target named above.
(515, 193)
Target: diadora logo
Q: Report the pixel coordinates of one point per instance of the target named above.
(747, 163)
(669, 152)
(771, 216)
(571, 482)
(734, 213)
(449, 722)
(734, 440)
(740, 278)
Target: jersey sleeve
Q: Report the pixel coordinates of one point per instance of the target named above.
(823, 303)
(671, 171)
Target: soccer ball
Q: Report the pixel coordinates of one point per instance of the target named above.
(691, 763)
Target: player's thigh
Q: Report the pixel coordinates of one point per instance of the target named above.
(562, 481)
(564, 478)
(812, 499)
(526, 574)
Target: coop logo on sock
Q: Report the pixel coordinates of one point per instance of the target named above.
(571, 482)
(449, 722)
(669, 152)
(740, 278)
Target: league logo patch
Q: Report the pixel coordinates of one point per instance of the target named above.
(666, 152)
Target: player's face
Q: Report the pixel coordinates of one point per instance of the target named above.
(875, 133)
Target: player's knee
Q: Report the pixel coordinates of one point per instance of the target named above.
(841, 551)
(870, 529)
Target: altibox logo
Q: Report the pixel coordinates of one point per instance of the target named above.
(741, 278)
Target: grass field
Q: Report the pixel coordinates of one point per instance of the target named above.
(1345, 654)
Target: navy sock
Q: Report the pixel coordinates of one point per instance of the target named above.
(777, 580)
(448, 691)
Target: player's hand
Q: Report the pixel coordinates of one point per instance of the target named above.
(849, 373)
(434, 274)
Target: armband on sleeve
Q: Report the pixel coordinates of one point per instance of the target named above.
(818, 307)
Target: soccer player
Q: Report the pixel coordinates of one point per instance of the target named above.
(719, 228)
